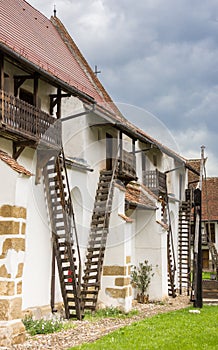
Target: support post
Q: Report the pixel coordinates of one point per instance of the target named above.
(197, 277)
(198, 251)
(121, 152)
(1, 71)
(53, 281)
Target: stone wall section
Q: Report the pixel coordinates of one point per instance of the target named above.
(121, 287)
(12, 250)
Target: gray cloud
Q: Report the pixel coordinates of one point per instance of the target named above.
(159, 55)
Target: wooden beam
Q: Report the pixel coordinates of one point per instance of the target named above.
(1, 71)
(62, 95)
(19, 80)
(133, 151)
(121, 151)
(59, 103)
(35, 90)
(52, 301)
(17, 151)
(19, 146)
(53, 102)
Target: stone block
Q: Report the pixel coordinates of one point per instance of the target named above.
(19, 287)
(114, 270)
(9, 228)
(122, 281)
(6, 288)
(17, 244)
(12, 211)
(128, 259)
(10, 309)
(23, 228)
(117, 293)
(12, 333)
(20, 270)
(4, 272)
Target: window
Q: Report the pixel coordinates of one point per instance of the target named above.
(212, 231)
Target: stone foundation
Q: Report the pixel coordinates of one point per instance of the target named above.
(12, 248)
(11, 332)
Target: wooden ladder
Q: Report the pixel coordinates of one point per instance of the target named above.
(184, 247)
(214, 255)
(64, 235)
(97, 240)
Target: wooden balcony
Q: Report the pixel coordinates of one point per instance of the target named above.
(22, 122)
(155, 181)
(127, 167)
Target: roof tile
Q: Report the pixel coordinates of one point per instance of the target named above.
(14, 164)
(139, 195)
(210, 199)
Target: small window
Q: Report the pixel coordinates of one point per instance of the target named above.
(26, 96)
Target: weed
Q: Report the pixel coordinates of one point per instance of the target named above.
(43, 326)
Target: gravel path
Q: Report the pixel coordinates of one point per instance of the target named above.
(88, 331)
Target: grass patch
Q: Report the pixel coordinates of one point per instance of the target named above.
(109, 312)
(174, 330)
(206, 275)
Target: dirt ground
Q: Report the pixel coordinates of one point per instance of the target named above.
(89, 331)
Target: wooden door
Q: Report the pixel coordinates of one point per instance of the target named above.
(205, 259)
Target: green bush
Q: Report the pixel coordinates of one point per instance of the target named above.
(141, 276)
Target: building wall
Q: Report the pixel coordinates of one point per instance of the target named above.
(150, 244)
(116, 289)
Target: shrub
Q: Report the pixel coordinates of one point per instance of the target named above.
(141, 276)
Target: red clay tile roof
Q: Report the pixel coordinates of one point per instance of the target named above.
(108, 102)
(139, 195)
(193, 178)
(33, 36)
(210, 199)
(14, 164)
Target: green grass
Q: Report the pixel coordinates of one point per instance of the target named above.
(171, 331)
(108, 312)
(206, 275)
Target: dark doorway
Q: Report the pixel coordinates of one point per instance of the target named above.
(26, 96)
(109, 151)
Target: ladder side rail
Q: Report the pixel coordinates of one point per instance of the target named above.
(72, 216)
(107, 212)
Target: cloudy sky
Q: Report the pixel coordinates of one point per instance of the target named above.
(158, 61)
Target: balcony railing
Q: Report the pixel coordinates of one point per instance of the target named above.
(27, 121)
(155, 181)
(127, 165)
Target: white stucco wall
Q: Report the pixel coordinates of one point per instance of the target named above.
(150, 244)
